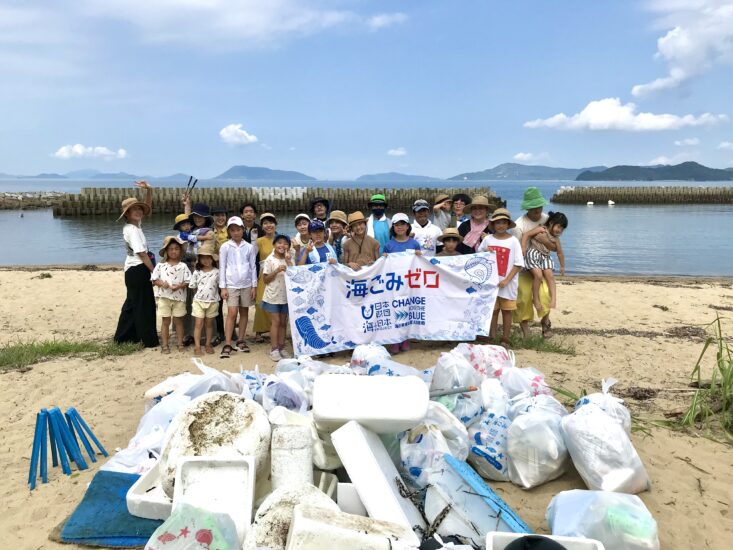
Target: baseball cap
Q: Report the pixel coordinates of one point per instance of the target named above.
(420, 204)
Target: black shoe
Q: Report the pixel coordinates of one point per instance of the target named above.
(188, 340)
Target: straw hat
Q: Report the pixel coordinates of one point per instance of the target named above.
(502, 214)
(532, 199)
(207, 249)
(267, 215)
(356, 217)
(479, 200)
(441, 198)
(451, 232)
(133, 201)
(338, 216)
(168, 240)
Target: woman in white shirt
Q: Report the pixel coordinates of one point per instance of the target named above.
(137, 318)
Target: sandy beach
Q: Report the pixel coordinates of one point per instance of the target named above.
(643, 331)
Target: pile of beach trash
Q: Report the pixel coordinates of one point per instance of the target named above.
(378, 454)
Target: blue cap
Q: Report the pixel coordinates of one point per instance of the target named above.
(316, 225)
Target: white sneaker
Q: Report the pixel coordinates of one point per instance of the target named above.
(275, 355)
(285, 354)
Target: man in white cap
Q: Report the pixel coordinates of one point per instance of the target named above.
(424, 231)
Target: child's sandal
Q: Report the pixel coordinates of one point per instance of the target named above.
(165, 350)
(209, 349)
(242, 346)
(197, 352)
(226, 351)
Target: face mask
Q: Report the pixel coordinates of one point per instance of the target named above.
(378, 212)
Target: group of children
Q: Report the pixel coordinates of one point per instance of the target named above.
(213, 275)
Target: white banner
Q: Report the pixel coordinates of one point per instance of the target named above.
(401, 296)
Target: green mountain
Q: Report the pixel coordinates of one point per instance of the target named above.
(514, 171)
(261, 174)
(395, 176)
(687, 171)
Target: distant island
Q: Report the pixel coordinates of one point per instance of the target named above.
(686, 171)
(514, 171)
(254, 173)
(43, 177)
(115, 176)
(395, 176)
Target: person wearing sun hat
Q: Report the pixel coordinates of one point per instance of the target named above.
(442, 206)
(378, 224)
(509, 262)
(477, 226)
(532, 202)
(264, 245)
(137, 317)
(359, 249)
(450, 239)
(337, 223)
(171, 277)
(424, 231)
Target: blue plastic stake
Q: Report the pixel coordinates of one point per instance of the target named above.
(65, 467)
(68, 440)
(52, 439)
(43, 415)
(74, 412)
(74, 421)
(35, 452)
(67, 419)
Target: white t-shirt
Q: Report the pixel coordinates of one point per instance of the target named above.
(508, 254)
(173, 275)
(441, 218)
(135, 243)
(206, 284)
(427, 237)
(275, 291)
(524, 224)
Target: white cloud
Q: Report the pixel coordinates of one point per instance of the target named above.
(726, 145)
(397, 152)
(82, 151)
(383, 20)
(531, 157)
(610, 114)
(234, 134)
(699, 36)
(232, 24)
(687, 142)
(674, 159)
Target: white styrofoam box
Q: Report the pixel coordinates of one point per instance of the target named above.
(317, 528)
(326, 482)
(499, 541)
(220, 485)
(291, 456)
(384, 404)
(348, 499)
(146, 499)
(374, 475)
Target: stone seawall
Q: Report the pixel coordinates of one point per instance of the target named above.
(644, 195)
(30, 200)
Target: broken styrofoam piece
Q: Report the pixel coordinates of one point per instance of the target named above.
(217, 424)
(146, 499)
(324, 455)
(499, 541)
(326, 482)
(219, 485)
(474, 508)
(348, 499)
(315, 529)
(383, 404)
(375, 476)
(291, 456)
(273, 518)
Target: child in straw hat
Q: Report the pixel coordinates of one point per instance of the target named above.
(171, 276)
(205, 307)
(450, 239)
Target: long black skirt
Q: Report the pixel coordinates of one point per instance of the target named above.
(137, 318)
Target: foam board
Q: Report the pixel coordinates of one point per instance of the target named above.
(146, 498)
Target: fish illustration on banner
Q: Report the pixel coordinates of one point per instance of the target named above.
(399, 297)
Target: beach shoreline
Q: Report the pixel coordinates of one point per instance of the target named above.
(638, 330)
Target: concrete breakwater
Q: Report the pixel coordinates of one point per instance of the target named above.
(644, 195)
(281, 200)
(29, 200)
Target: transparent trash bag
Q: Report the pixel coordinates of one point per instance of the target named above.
(612, 406)
(191, 528)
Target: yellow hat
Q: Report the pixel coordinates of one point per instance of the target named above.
(179, 219)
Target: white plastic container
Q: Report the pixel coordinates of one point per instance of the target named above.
(291, 456)
(146, 499)
(347, 497)
(219, 485)
(383, 404)
(499, 541)
(318, 528)
(374, 475)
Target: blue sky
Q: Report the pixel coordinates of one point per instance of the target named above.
(340, 88)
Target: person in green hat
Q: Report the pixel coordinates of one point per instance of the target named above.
(532, 202)
(378, 224)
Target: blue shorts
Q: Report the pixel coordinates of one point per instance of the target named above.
(274, 308)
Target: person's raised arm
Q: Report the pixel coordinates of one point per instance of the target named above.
(148, 192)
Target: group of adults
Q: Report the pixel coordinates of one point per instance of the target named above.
(461, 215)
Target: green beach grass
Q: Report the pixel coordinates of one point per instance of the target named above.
(22, 355)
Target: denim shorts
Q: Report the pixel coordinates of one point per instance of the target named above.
(274, 308)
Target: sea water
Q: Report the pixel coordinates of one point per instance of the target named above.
(600, 239)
